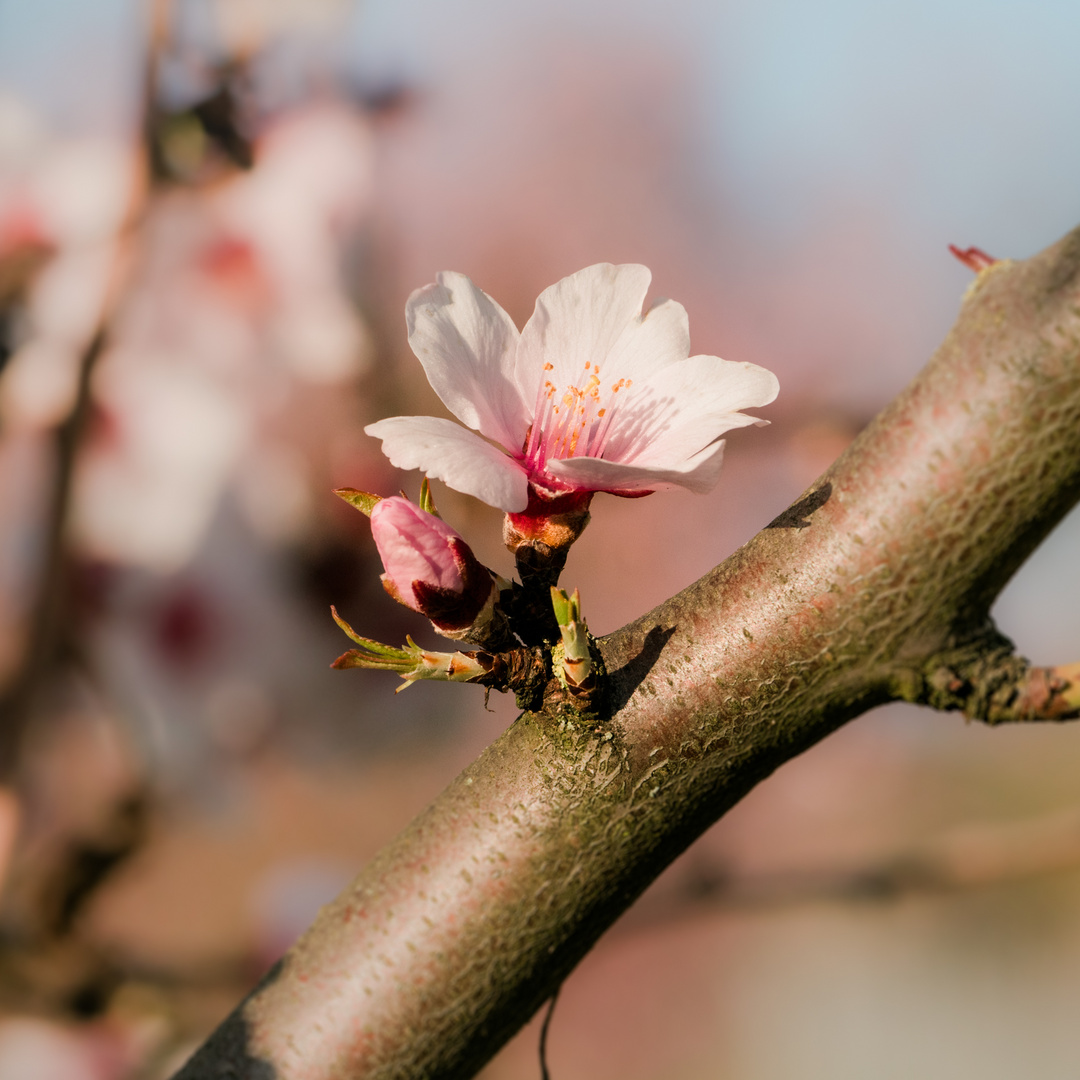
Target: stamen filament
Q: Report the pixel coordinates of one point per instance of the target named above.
(600, 439)
(575, 421)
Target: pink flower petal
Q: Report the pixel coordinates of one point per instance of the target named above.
(698, 473)
(649, 343)
(467, 344)
(682, 408)
(456, 456)
(579, 320)
(414, 546)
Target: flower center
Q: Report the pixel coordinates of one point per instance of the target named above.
(574, 420)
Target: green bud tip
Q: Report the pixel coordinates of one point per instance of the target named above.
(364, 501)
(427, 500)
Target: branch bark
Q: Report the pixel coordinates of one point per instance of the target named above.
(876, 585)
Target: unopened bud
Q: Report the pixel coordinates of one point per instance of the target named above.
(431, 569)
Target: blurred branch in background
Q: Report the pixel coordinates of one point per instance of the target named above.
(50, 639)
(976, 856)
(52, 650)
(180, 347)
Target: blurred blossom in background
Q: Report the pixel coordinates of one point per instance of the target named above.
(211, 215)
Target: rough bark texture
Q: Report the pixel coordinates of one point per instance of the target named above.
(875, 585)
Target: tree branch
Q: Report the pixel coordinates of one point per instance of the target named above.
(870, 588)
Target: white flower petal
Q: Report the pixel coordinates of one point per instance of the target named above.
(679, 410)
(652, 341)
(467, 344)
(579, 320)
(456, 456)
(699, 473)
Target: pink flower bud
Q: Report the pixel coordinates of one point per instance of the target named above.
(429, 567)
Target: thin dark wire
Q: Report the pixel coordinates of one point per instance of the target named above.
(544, 1074)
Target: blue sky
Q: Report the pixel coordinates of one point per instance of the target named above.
(960, 114)
(76, 60)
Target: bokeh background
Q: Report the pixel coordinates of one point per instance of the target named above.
(211, 214)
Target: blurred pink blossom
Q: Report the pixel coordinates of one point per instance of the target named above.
(239, 304)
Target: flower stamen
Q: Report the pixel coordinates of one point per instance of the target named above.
(605, 415)
(573, 423)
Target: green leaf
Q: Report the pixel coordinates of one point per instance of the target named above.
(412, 662)
(375, 648)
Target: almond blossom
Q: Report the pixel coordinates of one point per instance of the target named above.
(594, 394)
